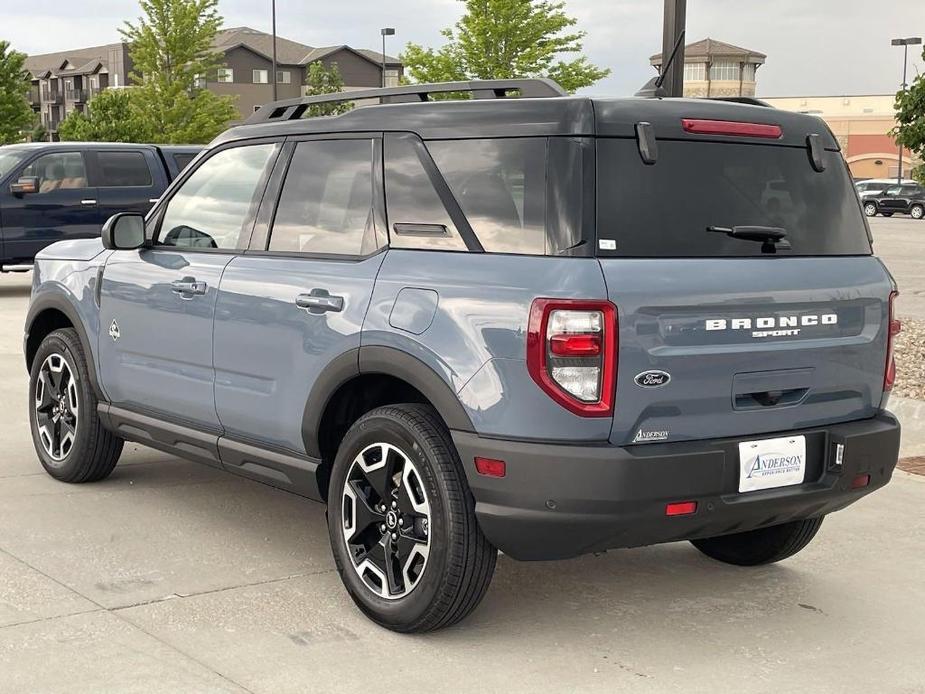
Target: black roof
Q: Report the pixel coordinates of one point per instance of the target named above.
(541, 117)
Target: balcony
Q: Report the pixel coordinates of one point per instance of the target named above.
(35, 97)
(52, 96)
(81, 96)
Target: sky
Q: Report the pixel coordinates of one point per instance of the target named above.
(814, 47)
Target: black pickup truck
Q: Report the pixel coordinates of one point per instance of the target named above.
(63, 190)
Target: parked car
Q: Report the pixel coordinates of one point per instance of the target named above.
(904, 199)
(55, 191)
(473, 325)
(875, 186)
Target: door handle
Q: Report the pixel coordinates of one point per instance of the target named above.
(188, 286)
(88, 201)
(320, 301)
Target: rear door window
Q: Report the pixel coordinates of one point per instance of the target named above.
(123, 169)
(326, 205)
(500, 185)
(664, 210)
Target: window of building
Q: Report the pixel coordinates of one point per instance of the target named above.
(724, 70)
(500, 185)
(748, 72)
(58, 171)
(327, 201)
(225, 74)
(283, 77)
(260, 76)
(123, 169)
(391, 77)
(694, 72)
(214, 205)
(199, 81)
(417, 216)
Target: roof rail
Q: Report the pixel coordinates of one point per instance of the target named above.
(293, 109)
(750, 100)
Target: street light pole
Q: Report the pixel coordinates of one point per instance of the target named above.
(273, 77)
(905, 43)
(387, 31)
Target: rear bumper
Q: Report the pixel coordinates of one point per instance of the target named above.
(558, 501)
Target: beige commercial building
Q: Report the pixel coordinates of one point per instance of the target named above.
(716, 68)
(861, 124)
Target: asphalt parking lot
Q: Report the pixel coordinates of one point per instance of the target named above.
(173, 577)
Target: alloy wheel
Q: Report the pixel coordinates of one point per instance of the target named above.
(918, 212)
(386, 520)
(870, 210)
(56, 406)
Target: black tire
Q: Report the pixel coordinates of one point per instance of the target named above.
(461, 561)
(93, 451)
(762, 546)
(887, 214)
(917, 212)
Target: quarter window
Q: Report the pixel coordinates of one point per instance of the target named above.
(417, 216)
(500, 185)
(326, 205)
(215, 205)
(58, 171)
(123, 169)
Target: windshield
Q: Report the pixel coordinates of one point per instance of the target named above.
(10, 159)
(665, 209)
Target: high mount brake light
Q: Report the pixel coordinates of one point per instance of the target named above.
(572, 353)
(894, 328)
(699, 126)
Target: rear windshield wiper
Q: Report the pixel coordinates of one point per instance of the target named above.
(772, 238)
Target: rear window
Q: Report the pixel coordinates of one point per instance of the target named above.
(665, 209)
(123, 169)
(183, 159)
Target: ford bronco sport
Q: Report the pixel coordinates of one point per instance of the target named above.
(527, 322)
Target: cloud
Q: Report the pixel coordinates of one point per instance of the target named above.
(813, 46)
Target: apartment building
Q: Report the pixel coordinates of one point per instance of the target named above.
(66, 81)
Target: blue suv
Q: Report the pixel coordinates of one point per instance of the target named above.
(528, 322)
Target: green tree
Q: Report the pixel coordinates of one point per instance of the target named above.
(504, 39)
(114, 115)
(325, 80)
(171, 49)
(16, 115)
(910, 118)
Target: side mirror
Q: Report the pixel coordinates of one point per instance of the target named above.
(25, 185)
(124, 231)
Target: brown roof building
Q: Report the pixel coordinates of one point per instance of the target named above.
(717, 68)
(66, 80)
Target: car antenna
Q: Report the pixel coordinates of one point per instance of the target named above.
(653, 88)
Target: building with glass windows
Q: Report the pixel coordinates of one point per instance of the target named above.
(716, 68)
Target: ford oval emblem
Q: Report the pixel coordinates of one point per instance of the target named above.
(652, 379)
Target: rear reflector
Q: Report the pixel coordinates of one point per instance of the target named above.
(860, 481)
(894, 328)
(490, 467)
(699, 126)
(681, 508)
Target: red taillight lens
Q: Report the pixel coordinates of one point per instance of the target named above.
(895, 327)
(572, 353)
(700, 126)
(860, 481)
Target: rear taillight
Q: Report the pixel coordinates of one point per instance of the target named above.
(894, 328)
(699, 126)
(572, 353)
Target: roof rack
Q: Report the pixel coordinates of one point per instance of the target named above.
(752, 101)
(293, 109)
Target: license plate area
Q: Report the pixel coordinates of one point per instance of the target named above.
(772, 463)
